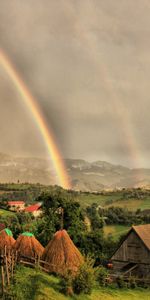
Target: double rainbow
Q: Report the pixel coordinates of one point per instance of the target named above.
(47, 134)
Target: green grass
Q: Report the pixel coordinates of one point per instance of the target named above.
(87, 199)
(6, 213)
(117, 199)
(115, 230)
(132, 204)
(36, 285)
(145, 204)
(114, 199)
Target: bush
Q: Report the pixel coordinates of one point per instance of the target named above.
(121, 283)
(85, 278)
(66, 284)
(102, 276)
(132, 282)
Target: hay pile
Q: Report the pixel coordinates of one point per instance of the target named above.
(27, 245)
(6, 239)
(62, 254)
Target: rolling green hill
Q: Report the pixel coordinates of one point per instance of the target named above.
(132, 199)
(123, 199)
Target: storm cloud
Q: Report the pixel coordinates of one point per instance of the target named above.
(87, 63)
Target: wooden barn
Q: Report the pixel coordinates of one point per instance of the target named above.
(133, 255)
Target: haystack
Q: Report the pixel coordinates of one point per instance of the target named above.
(27, 245)
(6, 240)
(61, 254)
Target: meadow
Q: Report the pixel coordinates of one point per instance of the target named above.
(115, 231)
(6, 213)
(34, 284)
(116, 199)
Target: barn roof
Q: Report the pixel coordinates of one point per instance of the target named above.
(33, 208)
(143, 231)
(15, 202)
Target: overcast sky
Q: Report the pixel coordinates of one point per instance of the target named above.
(87, 62)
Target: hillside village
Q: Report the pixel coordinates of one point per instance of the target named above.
(19, 206)
(53, 231)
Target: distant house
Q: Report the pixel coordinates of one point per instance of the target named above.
(16, 205)
(133, 255)
(35, 209)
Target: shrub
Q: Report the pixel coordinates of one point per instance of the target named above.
(132, 282)
(85, 278)
(102, 276)
(66, 284)
(121, 283)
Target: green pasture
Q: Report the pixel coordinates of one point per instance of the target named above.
(6, 213)
(86, 199)
(115, 231)
(132, 204)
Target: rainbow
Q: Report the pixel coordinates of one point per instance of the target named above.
(121, 114)
(47, 134)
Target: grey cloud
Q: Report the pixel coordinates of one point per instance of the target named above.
(87, 63)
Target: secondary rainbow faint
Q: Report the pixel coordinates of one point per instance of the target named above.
(47, 134)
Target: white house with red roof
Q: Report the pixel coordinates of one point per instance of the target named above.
(16, 205)
(35, 209)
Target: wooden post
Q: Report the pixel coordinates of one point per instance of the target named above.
(7, 271)
(5, 250)
(62, 219)
(12, 264)
(3, 280)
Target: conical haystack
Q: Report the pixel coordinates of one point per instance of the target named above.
(6, 240)
(27, 245)
(61, 254)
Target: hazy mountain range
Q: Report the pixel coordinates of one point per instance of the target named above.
(84, 175)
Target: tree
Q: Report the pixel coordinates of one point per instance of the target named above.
(54, 203)
(97, 221)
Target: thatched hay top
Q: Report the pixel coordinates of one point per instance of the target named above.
(62, 254)
(6, 240)
(26, 233)
(8, 232)
(27, 245)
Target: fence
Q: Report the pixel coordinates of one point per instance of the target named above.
(8, 261)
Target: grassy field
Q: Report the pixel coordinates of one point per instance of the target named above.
(132, 204)
(35, 285)
(6, 213)
(115, 230)
(88, 199)
(114, 199)
(131, 199)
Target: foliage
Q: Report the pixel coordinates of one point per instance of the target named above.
(102, 276)
(73, 218)
(92, 243)
(132, 282)
(66, 284)
(85, 278)
(97, 222)
(120, 282)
